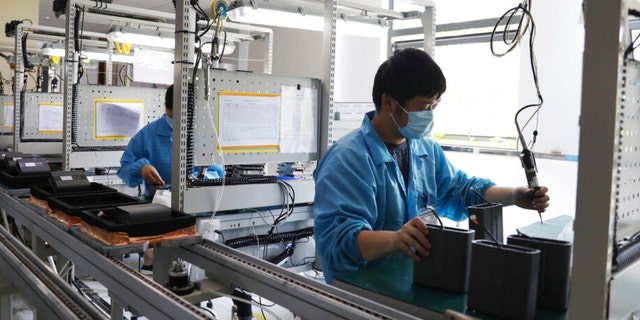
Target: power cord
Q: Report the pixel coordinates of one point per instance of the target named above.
(525, 22)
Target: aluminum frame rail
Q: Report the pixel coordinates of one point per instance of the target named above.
(304, 296)
(125, 285)
(45, 290)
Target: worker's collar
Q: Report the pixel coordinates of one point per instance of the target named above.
(169, 122)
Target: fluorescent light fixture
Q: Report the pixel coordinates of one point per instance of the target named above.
(276, 18)
(103, 56)
(308, 14)
(298, 21)
(229, 47)
(49, 50)
(154, 39)
(150, 38)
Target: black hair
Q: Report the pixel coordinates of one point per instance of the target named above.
(168, 98)
(408, 73)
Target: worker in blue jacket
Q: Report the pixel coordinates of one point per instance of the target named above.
(148, 155)
(147, 159)
(371, 184)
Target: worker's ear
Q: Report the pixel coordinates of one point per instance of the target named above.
(388, 104)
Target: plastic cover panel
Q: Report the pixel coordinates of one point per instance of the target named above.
(32, 129)
(255, 85)
(6, 120)
(88, 95)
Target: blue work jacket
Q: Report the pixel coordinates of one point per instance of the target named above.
(360, 187)
(151, 145)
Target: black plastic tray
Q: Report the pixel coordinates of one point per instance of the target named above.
(44, 192)
(75, 203)
(19, 182)
(138, 220)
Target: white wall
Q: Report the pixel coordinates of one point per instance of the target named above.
(559, 43)
(559, 176)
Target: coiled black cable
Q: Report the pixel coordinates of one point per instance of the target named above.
(21, 112)
(74, 113)
(25, 57)
(190, 111)
(269, 238)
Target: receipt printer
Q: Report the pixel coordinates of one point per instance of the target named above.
(32, 166)
(64, 181)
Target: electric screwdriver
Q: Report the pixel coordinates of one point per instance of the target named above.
(529, 164)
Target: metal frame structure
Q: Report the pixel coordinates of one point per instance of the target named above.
(301, 295)
(45, 34)
(126, 286)
(113, 14)
(332, 10)
(333, 128)
(50, 295)
(85, 123)
(596, 291)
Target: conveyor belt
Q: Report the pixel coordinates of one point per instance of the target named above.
(126, 286)
(301, 295)
(48, 291)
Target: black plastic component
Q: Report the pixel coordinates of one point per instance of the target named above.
(235, 180)
(10, 28)
(3, 158)
(11, 158)
(13, 181)
(555, 267)
(68, 181)
(59, 7)
(147, 219)
(488, 215)
(44, 192)
(269, 238)
(288, 252)
(626, 251)
(32, 166)
(179, 280)
(447, 266)
(503, 280)
(73, 204)
(528, 162)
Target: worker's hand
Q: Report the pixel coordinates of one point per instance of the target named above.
(535, 199)
(151, 175)
(413, 234)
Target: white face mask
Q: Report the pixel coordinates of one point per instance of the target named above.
(419, 125)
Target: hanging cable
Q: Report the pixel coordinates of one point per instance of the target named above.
(525, 22)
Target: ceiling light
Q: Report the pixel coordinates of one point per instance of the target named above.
(150, 38)
(95, 54)
(276, 18)
(309, 14)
